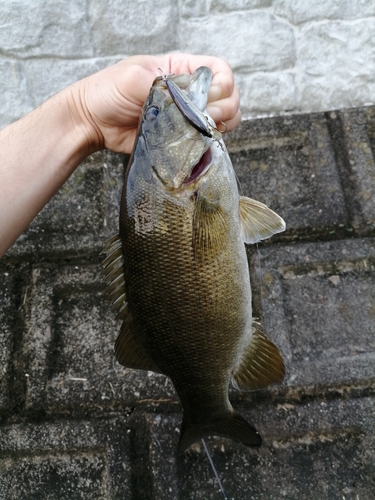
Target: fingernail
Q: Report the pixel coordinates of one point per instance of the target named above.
(214, 93)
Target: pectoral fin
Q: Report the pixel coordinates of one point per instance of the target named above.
(208, 228)
(261, 364)
(258, 222)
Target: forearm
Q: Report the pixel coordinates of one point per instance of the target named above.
(37, 155)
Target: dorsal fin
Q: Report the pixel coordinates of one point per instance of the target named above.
(128, 349)
(261, 364)
(258, 222)
(113, 273)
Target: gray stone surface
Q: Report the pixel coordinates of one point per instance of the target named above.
(225, 6)
(15, 91)
(289, 164)
(354, 138)
(68, 346)
(10, 300)
(133, 27)
(319, 44)
(51, 27)
(265, 90)
(301, 12)
(287, 56)
(310, 296)
(320, 449)
(75, 424)
(65, 460)
(247, 48)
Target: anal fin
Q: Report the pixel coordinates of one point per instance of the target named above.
(128, 349)
(261, 364)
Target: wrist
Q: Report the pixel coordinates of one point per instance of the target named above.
(82, 122)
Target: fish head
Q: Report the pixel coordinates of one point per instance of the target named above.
(174, 147)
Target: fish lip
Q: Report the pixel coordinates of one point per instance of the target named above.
(200, 168)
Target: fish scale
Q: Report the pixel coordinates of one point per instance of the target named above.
(185, 297)
(167, 320)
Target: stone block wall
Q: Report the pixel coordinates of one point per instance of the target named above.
(288, 56)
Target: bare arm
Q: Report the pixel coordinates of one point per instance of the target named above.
(37, 155)
(39, 152)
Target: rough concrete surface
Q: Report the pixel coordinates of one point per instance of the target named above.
(74, 424)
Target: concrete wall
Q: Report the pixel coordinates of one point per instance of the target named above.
(288, 56)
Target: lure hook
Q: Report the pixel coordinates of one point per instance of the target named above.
(189, 110)
(225, 129)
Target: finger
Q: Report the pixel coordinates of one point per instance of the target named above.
(222, 72)
(225, 109)
(233, 123)
(135, 72)
(224, 80)
(226, 124)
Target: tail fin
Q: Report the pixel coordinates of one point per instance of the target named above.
(233, 426)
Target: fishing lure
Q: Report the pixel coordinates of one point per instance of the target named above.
(190, 111)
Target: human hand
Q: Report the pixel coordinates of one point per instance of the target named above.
(108, 104)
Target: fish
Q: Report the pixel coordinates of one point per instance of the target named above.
(177, 273)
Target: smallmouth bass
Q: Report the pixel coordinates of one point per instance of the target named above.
(178, 274)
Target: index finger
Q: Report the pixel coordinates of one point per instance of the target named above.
(222, 79)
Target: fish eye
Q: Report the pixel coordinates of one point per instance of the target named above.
(151, 113)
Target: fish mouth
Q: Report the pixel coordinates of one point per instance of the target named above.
(199, 168)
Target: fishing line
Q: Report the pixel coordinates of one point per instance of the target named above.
(257, 253)
(214, 469)
(260, 277)
(240, 190)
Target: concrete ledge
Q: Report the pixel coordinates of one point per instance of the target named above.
(75, 424)
(310, 295)
(65, 460)
(311, 451)
(68, 347)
